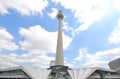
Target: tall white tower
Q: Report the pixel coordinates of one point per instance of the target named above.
(59, 51)
(59, 71)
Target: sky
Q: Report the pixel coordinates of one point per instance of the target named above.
(28, 32)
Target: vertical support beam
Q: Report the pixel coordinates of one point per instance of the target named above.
(101, 75)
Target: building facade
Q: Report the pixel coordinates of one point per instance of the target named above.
(43, 73)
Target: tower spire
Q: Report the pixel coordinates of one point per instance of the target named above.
(59, 51)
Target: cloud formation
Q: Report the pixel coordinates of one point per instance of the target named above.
(115, 35)
(97, 59)
(24, 7)
(81, 54)
(101, 58)
(6, 41)
(34, 58)
(89, 11)
(53, 13)
(38, 38)
(37, 44)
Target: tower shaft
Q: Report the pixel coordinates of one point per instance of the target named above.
(59, 71)
(59, 51)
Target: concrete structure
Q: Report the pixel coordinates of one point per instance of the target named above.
(115, 65)
(59, 51)
(52, 63)
(58, 71)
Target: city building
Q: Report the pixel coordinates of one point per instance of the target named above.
(115, 65)
(52, 63)
(42, 73)
(57, 69)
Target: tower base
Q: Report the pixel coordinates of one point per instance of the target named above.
(59, 72)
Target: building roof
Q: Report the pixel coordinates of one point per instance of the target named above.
(84, 73)
(42, 73)
(34, 73)
(115, 65)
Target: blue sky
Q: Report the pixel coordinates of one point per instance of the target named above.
(28, 32)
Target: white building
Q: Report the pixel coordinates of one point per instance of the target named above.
(42, 73)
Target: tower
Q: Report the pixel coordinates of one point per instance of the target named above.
(59, 71)
(59, 51)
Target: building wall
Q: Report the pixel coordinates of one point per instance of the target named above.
(115, 65)
(41, 73)
(104, 75)
(11, 74)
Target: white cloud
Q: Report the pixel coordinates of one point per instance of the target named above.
(87, 11)
(53, 13)
(115, 35)
(3, 10)
(38, 38)
(101, 58)
(67, 28)
(4, 64)
(24, 7)
(81, 54)
(34, 58)
(69, 65)
(117, 4)
(6, 41)
(38, 43)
